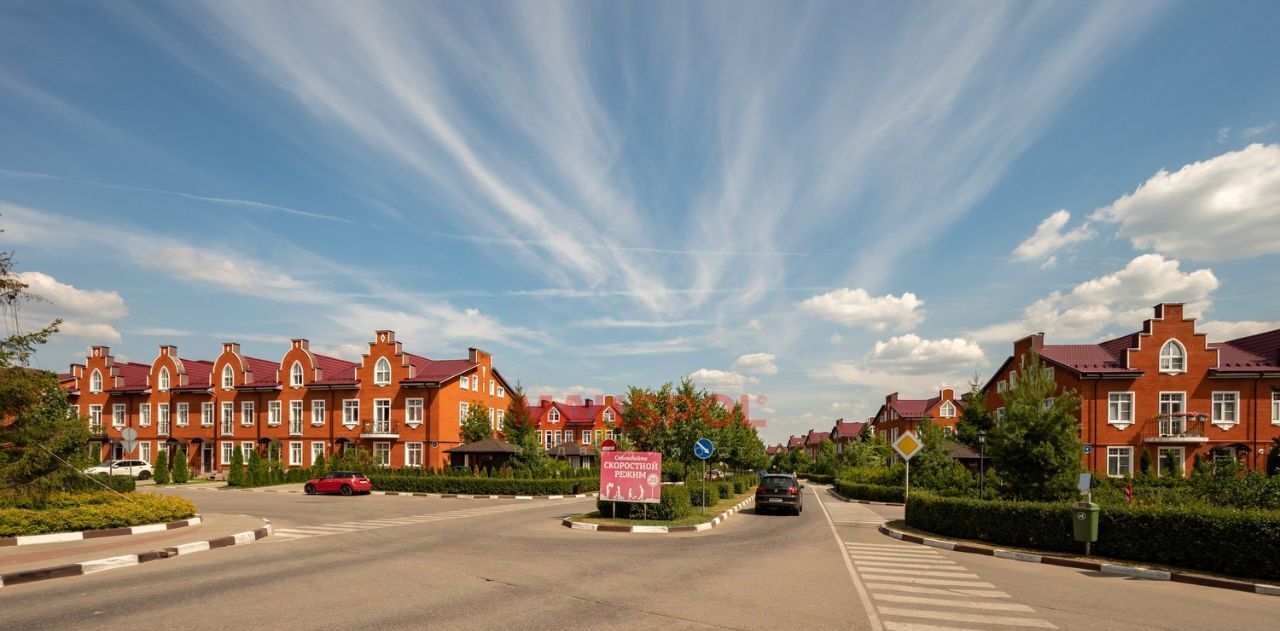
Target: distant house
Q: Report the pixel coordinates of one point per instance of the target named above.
(813, 440)
(898, 416)
(845, 432)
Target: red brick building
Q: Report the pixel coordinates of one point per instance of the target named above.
(585, 422)
(898, 416)
(1165, 389)
(402, 408)
(813, 440)
(845, 432)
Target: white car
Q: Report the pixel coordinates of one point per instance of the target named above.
(135, 468)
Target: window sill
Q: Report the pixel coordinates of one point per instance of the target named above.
(1225, 425)
(1120, 425)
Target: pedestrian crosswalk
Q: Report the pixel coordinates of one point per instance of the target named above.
(915, 588)
(852, 513)
(301, 532)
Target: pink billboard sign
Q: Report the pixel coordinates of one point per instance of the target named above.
(631, 476)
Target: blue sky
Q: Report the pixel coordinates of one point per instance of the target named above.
(813, 203)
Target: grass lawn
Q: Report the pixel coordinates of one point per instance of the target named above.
(695, 517)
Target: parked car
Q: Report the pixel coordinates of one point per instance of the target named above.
(344, 482)
(139, 469)
(779, 492)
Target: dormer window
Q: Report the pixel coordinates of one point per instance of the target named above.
(553, 416)
(164, 379)
(228, 377)
(382, 372)
(296, 375)
(608, 416)
(947, 410)
(1173, 357)
(95, 382)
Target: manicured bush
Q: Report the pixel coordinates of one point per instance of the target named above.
(476, 486)
(1197, 538)
(869, 492)
(699, 497)
(676, 504)
(725, 487)
(180, 471)
(818, 478)
(161, 468)
(67, 512)
(94, 483)
(235, 473)
(881, 476)
(739, 486)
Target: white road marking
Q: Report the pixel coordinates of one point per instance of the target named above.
(949, 602)
(981, 593)
(872, 616)
(969, 617)
(899, 559)
(919, 566)
(871, 576)
(957, 573)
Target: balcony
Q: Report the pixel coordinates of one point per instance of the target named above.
(380, 430)
(1176, 429)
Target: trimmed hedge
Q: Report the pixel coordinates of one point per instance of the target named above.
(1220, 540)
(66, 512)
(869, 492)
(117, 483)
(481, 486)
(698, 497)
(818, 478)
(675, 505)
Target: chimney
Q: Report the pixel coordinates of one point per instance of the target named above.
(891, 398)
(608, 399)
(386, 336)
(1033, 342)
(573, 399)
(231, 347)
(168, 350)
(301, 343)
(948, 394)
(589, 402)
(1169, 311)
(544, 400)
(101, 351)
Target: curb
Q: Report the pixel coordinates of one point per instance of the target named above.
(716, 521)
(1136, 571)
(111, 563)
(60, 537)
(447, 496)
(832, 491)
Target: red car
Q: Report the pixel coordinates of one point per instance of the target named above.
(344, 482)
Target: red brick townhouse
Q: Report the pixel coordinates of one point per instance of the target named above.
(845, 432)
(795, 442)
(1164, 389)
(404, 409)
(813, 440)
(576, 421)
(898, 416)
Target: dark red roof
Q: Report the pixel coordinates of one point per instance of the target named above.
(334, 371)
(848, 428)
(65, 376)
(264, 372)
(576, 414)
(1091, 358)
(913, 408)
(816, 438)
(1233, 358)
(135, 377)
(795, 441)
(435, 371)
(197, 372)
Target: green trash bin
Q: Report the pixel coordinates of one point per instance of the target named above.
(1084, 520)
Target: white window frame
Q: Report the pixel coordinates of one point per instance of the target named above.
(1219, 406)
(1275, 408)
(475, 383)
(144, 415)
(317, 449)
(95, 417)
(246, 413)
(378, 459)
(317, 412)
(1118, 402)
(228, 377)
(228, 418)
(163, 382)
(273, 413)
(295, 453)
(586, 437)
(184, 414)
(464, 383)
(95, 382)
(162, 419)
(502, 414)
(413, 455)
(295, 418)
(382, 372)
(382, 416)
(144, 451)
(119, 414)
(947, 410)
(1167, 359)
(999, 414)
(553, 416)
(463, 408)
(228, 452)
(492, 387)
(1119, 455)
(1169, 425)
(502, 392)
(414, 411)
(207, 414)
(493, 419)
(246, 448)
(608, 416)
(1182, 459)
(351, 412)
(296, 375)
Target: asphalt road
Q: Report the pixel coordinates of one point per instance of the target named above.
(396, 562)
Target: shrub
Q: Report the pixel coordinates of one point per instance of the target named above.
(1198, 538)
(676, 504)
(725, 487)
(161, 467)
(700, 497)
(94, 483)
(67, 512)
(739, 486)
(869, 492)
(181, 474)
(881, 476)
(473, 486)
(235, 474)
(257, 470)
(818, 478)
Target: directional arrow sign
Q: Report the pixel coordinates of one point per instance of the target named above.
(703, 448)
(907, 445)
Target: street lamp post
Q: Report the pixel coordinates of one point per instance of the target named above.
(982, 464)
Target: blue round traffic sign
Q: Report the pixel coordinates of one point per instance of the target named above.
(703, 448)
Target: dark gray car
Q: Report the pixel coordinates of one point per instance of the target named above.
(779, 492)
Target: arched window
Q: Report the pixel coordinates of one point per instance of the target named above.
(295, 375)
(947, 410)
(228, 377)
(1173, 357)
(164, 379)
(382, 372)
(95, 382)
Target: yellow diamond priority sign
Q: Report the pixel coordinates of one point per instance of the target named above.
(907, 445)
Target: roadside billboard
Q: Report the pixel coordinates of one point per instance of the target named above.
(631, 476)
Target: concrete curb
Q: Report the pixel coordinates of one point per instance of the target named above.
(60, 537)
(447, 496)
(1096, 566)
(832, 491)
(568, 522)
(126, 560)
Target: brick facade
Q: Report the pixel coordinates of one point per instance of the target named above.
(898, 416)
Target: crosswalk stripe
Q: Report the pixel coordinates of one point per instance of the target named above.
(893, 625)
(332, 528)
(940, 565)
(891, 546)
(910, 558)
(894, 553)
(955, 591)
(957, 573)
(302, 531)
(968, 617)
(871, 576)
(948, 602)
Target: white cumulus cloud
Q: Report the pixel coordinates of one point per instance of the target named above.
(721, 379)
(67, 299)
(856, 307)
(759, 363)
(912, 354)
(1049, 238)
(1227, 207)
(1222, 331)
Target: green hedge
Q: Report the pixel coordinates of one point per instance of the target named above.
(869, 492)
(676, 504)
(481, 486)
(818, 478)
(65, 512)
(1220, 540)
(699, 497)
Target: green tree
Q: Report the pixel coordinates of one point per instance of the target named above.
(475, 427)
(1273, 458)
(235, 473)
(181, 473)
(1144, 463)
(318, 465)
(974, 417)
(274, 463)
(257, 470)
(1170, 466)
(934, 468)
(520, 431)
(825, 461)
(161, 467)
(1037, 450)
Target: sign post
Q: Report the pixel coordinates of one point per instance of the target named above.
(631, 476)
(907, 446)
(703, 450)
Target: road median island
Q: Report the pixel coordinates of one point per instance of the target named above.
(63, 513)
(686, 520)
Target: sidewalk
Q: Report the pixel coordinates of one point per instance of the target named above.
(33, 557)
